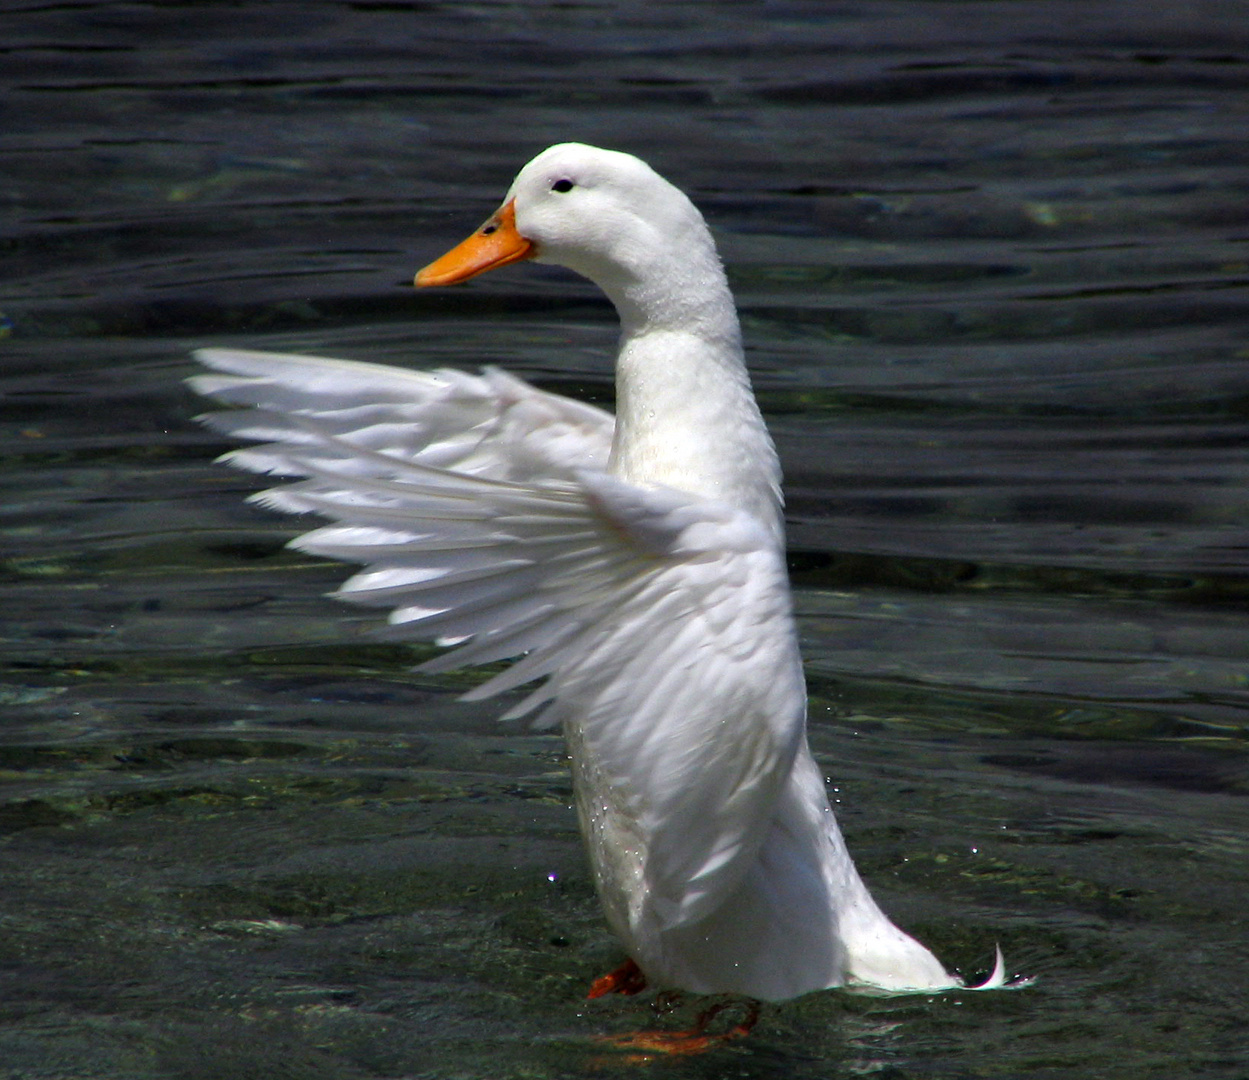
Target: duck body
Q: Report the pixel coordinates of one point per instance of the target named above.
(636, 563)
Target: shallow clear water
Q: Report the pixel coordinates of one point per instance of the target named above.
(991, 261)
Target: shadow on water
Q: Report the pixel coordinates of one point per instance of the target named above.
(991, 264)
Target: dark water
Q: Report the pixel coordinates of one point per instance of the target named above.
(991, 260)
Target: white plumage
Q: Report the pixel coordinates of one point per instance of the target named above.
(636, 564)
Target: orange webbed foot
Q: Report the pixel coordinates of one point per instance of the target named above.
(693, 1040)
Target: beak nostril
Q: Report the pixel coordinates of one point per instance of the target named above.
(495, 243)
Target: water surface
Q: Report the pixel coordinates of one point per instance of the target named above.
(991, 261)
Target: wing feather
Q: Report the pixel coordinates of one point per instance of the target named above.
(493, 425)
(481, 512)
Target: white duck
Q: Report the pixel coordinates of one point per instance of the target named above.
(638, 564)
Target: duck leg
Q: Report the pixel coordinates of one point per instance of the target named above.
(626, 979)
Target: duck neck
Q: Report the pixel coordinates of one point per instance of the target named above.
(686, 416)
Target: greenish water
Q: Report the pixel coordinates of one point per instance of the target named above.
(991, 260)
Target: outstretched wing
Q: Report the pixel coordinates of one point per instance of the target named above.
(491, 425)
(660, 620)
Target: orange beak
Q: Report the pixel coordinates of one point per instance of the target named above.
(495, 244)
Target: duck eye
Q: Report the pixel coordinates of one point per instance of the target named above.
(562, 185)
